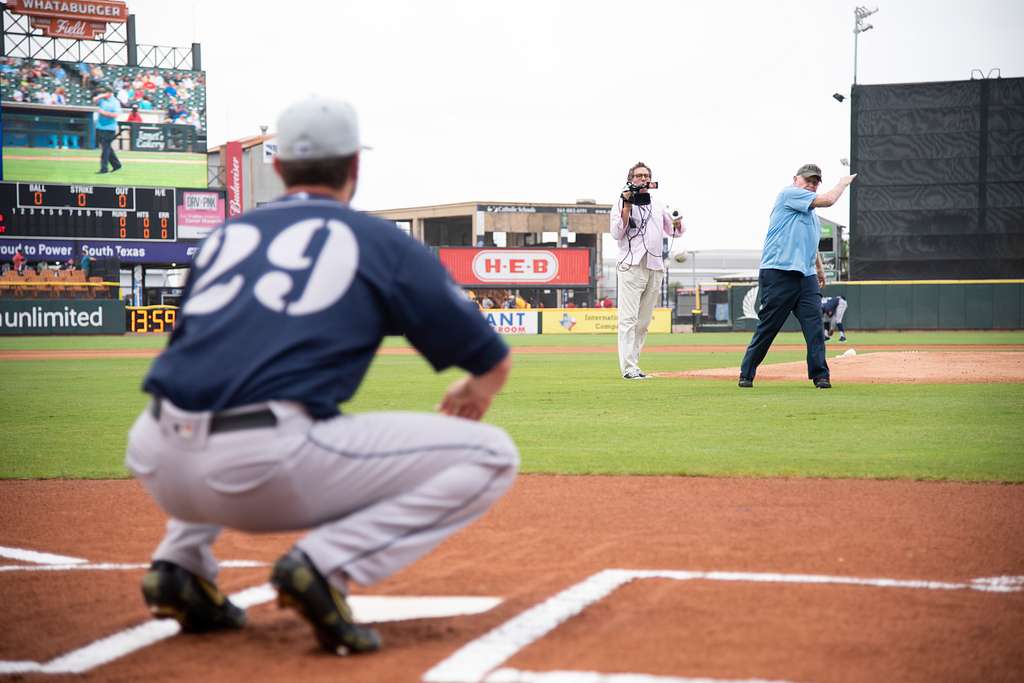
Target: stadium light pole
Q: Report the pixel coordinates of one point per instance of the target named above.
(860, 14)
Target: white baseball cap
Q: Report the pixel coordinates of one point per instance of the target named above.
(317, 128)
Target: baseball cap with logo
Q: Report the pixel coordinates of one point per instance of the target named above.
(809, 170)
(317, 128)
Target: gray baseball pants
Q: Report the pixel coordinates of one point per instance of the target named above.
(378, 490)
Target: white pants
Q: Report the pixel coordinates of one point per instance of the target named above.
(639, 291)
(836, 319)
(379, 490)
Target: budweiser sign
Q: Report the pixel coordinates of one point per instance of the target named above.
(80, 20)
(233, 167)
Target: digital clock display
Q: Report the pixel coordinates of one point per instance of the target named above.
(93, 212)
(151, 319)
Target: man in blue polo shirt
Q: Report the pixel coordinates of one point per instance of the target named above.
(792, 274)
(284, 310)
(109, 109)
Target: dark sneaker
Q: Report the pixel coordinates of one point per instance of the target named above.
(822, 383)
(746, 383)
(173, 592)
(301, 586)
(842, 337)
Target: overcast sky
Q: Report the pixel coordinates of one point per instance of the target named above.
(552, 101)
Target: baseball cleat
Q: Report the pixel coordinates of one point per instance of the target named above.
(746, 383)
(173, 592)
(300, 586)
(822, 383)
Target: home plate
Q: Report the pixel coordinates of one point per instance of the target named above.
(373, 609)
(365, 608)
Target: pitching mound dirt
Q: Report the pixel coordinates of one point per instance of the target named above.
(905, 367)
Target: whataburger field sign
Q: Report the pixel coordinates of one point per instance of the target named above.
(79, 20)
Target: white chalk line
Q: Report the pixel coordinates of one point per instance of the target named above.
(517, 676)
(25, 555)
(367, 608)
(474, 661)
(111, 566)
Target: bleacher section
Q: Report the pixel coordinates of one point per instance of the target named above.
(54, 284)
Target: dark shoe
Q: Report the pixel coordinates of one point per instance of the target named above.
(98, 172)
(173, 592)
(301, 586)
(822, 383)
(746, 383)
(842, 337)
(115, 170)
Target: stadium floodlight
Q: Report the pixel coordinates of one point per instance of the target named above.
(860, 14)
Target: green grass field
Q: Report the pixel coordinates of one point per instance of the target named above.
(159, 169)
(571, 413)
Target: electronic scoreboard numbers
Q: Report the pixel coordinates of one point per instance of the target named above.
(147, 319)
(87, 212)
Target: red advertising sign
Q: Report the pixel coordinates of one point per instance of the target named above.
(519, 267)
(233, 168)
(80, 19)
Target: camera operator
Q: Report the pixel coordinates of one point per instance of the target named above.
(638, 224)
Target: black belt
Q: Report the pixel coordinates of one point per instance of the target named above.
(230, 422)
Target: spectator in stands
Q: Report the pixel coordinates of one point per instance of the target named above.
(607, 302)
(134, 116)
(124, 94)
(86, 263)
(146, 103)
(486, 302)
(109, 109)
(19, 262)
(84, 73)
(57, 72)
(171, 90)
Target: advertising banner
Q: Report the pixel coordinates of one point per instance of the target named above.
(126, 252)
(78, 20)
(233, 169)
(596, 320)
(70, 316)
(199, 212)
(517, 267)
(511, 321)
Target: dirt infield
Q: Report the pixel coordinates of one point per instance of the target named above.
(794, 580)
(905, 367)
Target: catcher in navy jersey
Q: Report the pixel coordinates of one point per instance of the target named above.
(284, 310)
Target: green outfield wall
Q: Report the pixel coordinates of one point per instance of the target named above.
(912, 305)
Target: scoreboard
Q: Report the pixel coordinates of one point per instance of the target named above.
(93, 212)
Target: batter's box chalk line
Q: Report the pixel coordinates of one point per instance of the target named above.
(479, 660)
(367, 608)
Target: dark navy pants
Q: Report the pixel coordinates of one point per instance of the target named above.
(782, 292)
(107, 153)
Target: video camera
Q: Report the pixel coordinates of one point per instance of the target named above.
(640, 196)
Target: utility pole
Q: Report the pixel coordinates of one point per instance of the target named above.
(860, 14)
